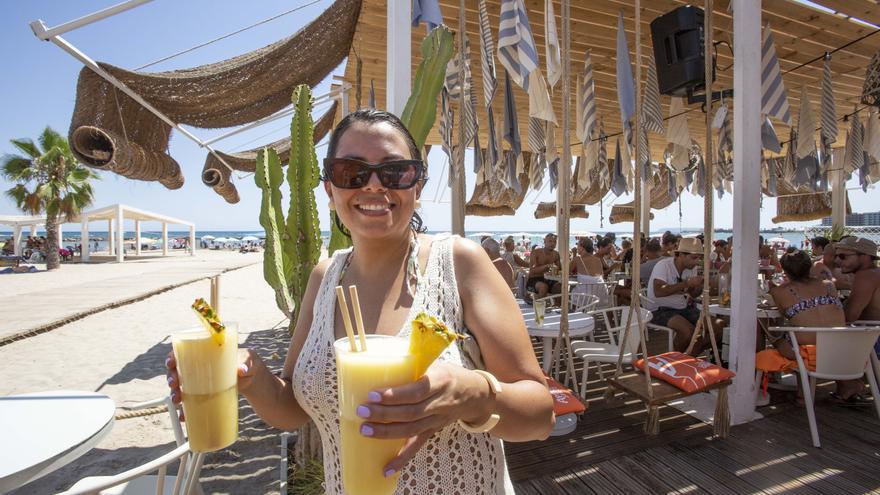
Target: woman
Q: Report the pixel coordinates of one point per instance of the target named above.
(373, 176)
(590, 271)
(808, 302)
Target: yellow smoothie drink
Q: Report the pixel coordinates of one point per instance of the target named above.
(386, 363)
(208, 377)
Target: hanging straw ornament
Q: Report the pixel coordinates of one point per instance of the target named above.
(871, 88)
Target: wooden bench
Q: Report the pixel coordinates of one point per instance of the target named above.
(663, 393)
(12, 261)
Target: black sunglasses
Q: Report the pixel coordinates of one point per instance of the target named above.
(349, 173)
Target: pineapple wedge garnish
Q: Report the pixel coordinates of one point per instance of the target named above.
(210, 320)
(429, 338)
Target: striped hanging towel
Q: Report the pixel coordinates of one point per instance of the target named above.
(626, 86)
(774, 98)
(586, 102)
(516, 47)
(551, 44)
(540, 105)
(652, 115)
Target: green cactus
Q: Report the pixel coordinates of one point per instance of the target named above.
(292, 245)
(338, 240)
(276, 261)
(421, 107)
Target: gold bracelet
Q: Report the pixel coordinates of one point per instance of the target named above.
(494, 418)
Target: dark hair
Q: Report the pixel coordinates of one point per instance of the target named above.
(603, 242)
(797, 265)
(586, 243)
(611, 235)
(668, 238)
(371, 116)
(653, 246)
(820, 241)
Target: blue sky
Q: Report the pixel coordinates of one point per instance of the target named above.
(39, 85)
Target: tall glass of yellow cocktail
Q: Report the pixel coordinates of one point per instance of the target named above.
(206, 364)
(386, 363)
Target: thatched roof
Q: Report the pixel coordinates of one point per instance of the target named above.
(217, 176)
(493, 198)
(121, 136)
(548, 209)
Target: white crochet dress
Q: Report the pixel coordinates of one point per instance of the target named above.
(453, 461)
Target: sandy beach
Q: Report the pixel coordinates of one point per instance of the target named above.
(121, 352)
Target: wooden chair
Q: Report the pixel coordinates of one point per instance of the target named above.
(842, 353)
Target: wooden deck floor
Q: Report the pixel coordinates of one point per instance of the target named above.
(609, 453)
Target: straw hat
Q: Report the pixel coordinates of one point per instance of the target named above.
(859, 245)
(690, 245)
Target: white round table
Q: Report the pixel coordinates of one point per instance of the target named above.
(579, 325)
(43, 431)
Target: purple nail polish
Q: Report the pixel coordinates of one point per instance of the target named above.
(366, 430)
(243, 367)
(167, 362)
(170, 380)
(363, 411)
(374, 397)
(389, 472)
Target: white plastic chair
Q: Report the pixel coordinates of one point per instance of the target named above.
(875, 362)
(603, 290)
(670, 333)
(841, 354)
(138, 480)
(608, 353)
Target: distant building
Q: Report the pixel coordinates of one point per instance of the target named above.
(857, 219)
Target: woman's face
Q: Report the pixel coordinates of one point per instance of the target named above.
(373, 210)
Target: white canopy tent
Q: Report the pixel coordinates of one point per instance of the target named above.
(115, 215)
(19, 222)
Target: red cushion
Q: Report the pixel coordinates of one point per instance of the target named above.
(564, 400)
(685, 372)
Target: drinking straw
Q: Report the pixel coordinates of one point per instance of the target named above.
(358, 318)
(346, 319)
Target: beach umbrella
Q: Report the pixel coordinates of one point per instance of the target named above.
(482, 234)
(583, 233)
(778, 240)
(523, 234)
(220, 240)
(208, 238)
(148, 240)
(250, 238)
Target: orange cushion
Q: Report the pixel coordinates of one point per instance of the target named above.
(685, 372)
(564, 400)
(770, 360)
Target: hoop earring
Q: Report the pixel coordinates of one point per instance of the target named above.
(331, 205)
(418, 204)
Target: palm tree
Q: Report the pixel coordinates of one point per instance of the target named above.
(48, 179)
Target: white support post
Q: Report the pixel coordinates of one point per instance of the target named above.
(746, 205)
(16, 241)
(164, 239)
(137, 237)
(399, 55)
(192, 240)
(44, 33)
(838, 191)
(34, 230)
(646, 204)
(84, 238)
(120, 235)
(59, 235)
(111, 246)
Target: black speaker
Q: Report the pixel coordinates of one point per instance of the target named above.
(678, 50)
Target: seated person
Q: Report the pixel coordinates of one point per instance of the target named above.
(589, 269)
(668, 243)
(8, 247)
(810, 302)
(510, 255)
(653, 251)
(493, 249)
(541, 260)
(604, 251)
(673, 285)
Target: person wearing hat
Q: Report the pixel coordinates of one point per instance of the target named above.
(858, 256)
(673, 285)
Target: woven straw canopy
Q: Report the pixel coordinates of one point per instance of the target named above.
(217, 176)
(111, 131)
(548, 209)
(493, 198)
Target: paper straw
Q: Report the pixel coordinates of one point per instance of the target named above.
(358, 318)
(346, 319)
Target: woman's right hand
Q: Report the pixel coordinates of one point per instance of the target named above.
(245, 370)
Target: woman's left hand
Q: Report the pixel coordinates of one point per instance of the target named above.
(415, 411)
